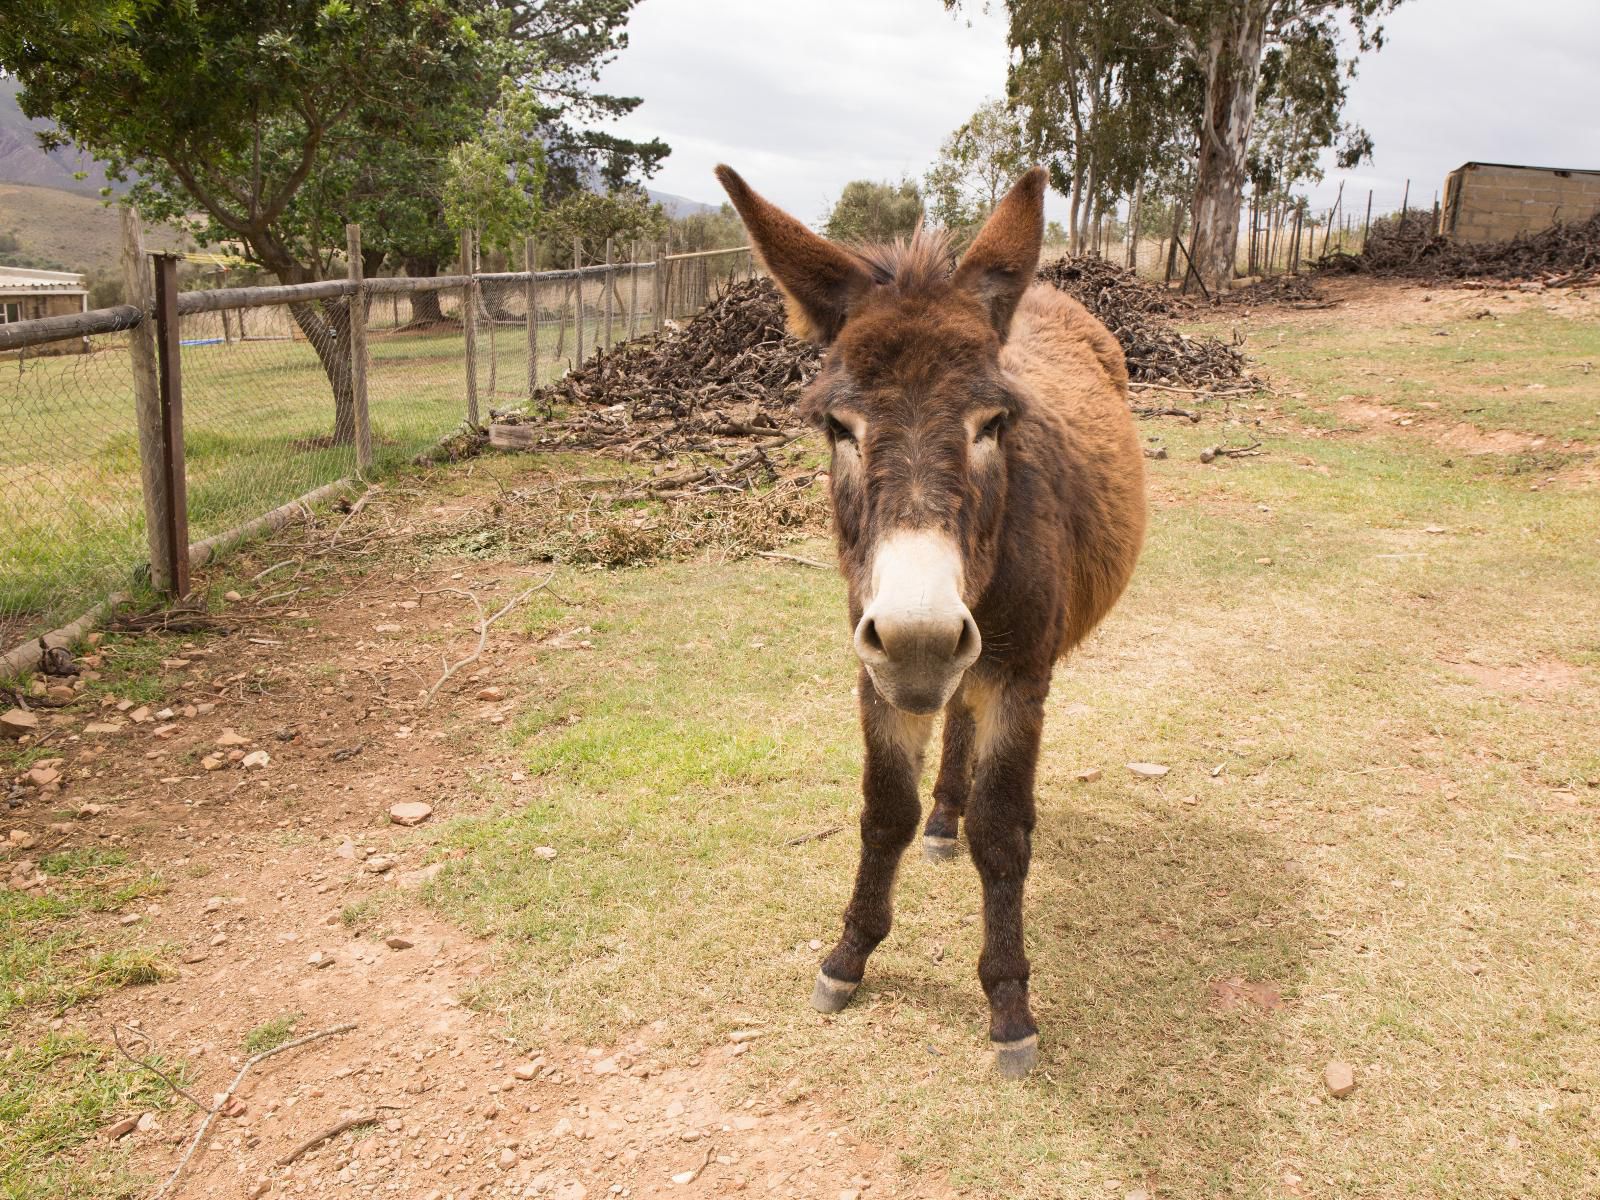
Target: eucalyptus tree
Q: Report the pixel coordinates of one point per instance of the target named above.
(977, 164)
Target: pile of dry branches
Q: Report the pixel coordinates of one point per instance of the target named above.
(1560, 256)
(1138, 312)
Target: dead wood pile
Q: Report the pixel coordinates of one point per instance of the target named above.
(1138, 313)
(1564, 255)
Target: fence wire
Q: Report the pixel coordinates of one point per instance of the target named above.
(268, 412)
(71, 508)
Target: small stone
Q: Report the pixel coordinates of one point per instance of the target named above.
(379, 863)
(16, 723)
(43, 776)
(196, 955)
(119, 1129)
(235, 756)
(508, 1159)
(128, 919)
(346, 849)
(1087, 775)
(319, 960)
(232, 597)
(491, 693)
(213, 904)
(396, 942)
(525, 1071)
(140, 715)
(146, 1122)
(261, 1188)
(21, 839)
(102, 727)
(229, 738)
(410, 812)
(387, 627)
(544, 852)
(256, 758)
(1148, 770)
(212, 762)
(220, 939)
(606, 1066)
(1340, 1078)
(166, 714)
(60, 694)
(164, 731)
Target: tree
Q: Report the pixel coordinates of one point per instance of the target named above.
(716, 230)
(623, 216)
(1227, 41)
(875, 212)
(976, 165)
(267, 126)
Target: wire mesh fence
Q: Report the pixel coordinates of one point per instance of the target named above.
(275, 393)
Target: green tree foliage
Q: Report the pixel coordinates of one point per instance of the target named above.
(494, 181)
(624, 216)
(717, 230)
(875, 212)
(976, 164)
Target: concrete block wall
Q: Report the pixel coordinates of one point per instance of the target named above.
(1496, 203)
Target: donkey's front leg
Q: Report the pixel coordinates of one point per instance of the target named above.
(1000, 818)
(894, 744)
(951, 789)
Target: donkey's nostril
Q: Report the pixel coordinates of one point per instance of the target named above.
(870, 638)
(968, 644)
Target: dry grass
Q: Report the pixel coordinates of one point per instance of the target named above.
(1401, 839)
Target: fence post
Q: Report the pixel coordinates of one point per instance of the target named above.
(146, 396)
(656, 256)
(610, 307)
(469, 325)
(169, 358)
(633, 290)
(358, 348)
(577, 292)
(530, 260)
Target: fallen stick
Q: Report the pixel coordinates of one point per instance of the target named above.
(327, 1135)
(483, 628)
(818, 836)
(793, 558)
(199, 1134)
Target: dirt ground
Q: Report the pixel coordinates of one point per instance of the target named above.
(290, 891)
(261, 863)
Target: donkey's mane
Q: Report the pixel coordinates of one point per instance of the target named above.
(910, 264)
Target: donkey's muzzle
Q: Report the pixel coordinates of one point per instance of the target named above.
(917, 657)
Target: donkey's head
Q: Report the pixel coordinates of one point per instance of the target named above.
(915, 405)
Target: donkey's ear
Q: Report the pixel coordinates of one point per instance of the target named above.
(999, 265)
(820, 281)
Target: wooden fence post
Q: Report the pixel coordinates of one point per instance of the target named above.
(577, 285)
(358, 348)
(174, 483)
(469, 325)
(136, 281)
(633, 290)
(530, 260)
(610, 308)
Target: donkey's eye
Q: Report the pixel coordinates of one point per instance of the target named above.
(838, 431)
(991, 428)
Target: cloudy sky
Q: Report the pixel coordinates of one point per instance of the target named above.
(803, 96)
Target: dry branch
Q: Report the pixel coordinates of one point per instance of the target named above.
(327, 1135)
(483, 628)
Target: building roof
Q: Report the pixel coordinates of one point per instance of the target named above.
(1530, 167)
(25, 281)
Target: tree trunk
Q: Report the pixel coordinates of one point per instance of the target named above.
(326, 324)
(424, 305)
(1075, 231)
(1232, 67)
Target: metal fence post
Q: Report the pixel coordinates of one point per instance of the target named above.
(358, 348)
(136, 280)
(633, 290)
(174, 485)
(469, 317)
(530, 260)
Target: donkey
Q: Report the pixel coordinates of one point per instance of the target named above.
(988, 498)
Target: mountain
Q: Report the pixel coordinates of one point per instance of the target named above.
(679, 206)
(23, 160)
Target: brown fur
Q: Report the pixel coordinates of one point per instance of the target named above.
(1048, 517)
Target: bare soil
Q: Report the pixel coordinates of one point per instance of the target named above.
(262, 863)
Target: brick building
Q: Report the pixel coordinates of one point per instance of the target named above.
(1490, 202)
(26, 294)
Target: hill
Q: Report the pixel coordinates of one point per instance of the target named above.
(60, 230)
(23, 160)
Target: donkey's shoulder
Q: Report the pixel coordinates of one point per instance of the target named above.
(1052, 330)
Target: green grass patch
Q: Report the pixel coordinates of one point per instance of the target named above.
(271, 1034)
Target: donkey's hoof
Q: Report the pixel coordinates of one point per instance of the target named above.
(831, 995)
(938, 849)
(1015, 1059)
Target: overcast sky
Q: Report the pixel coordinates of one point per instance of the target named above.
(805, 95)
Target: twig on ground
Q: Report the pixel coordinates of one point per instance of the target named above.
(327, 1135)
(355, 511)
(818, 836)
(199, 1134)
(116, 1038)
(793, 558)
(260, 575)
(483, 628)
(1168, 412)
